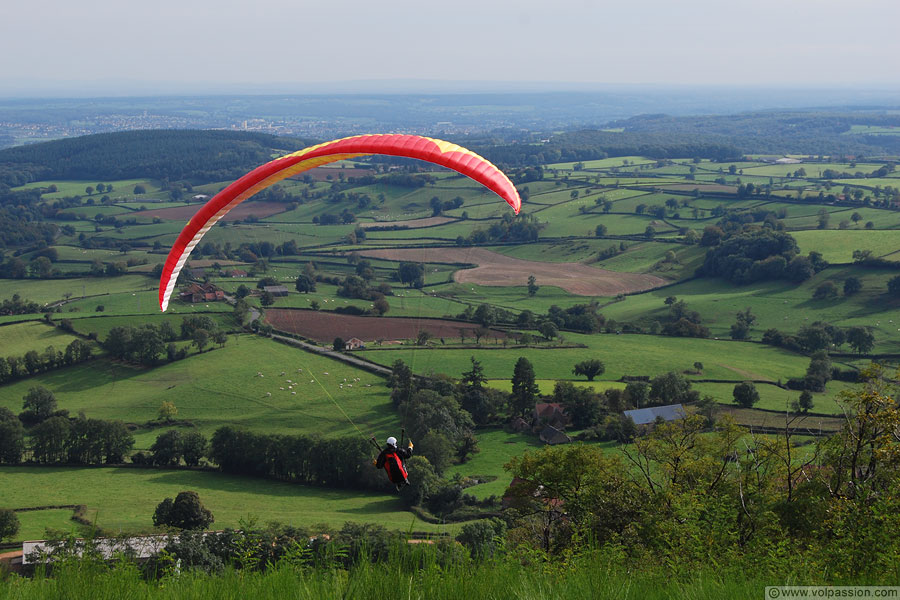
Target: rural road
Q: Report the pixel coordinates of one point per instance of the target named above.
(351, 360)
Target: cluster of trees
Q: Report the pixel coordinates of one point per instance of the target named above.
(57, 438)
(335, 462)
(173, 447)
(758, 254)
(819, 336)
(524, 228)
(145, 343)
(438, 206)
(22, 221)
(441, 414)
(34, 362)
(17, 306)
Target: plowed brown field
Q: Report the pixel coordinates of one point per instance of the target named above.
(325, 326)
(496, 269)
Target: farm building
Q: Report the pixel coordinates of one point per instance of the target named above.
(234, 273)
(647, 416)
(354, 344)
(550, 413)
(201, 292)
(276, 290)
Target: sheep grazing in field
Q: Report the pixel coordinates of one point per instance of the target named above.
(324, 372)
(312, 380)
(268, 393)
(282, 389)
(282, 373)
(293, 393)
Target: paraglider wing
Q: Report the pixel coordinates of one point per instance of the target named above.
(431, 150)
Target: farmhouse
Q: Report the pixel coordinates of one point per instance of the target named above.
(647, 416)
(234, 273)
(354, 344)
(550, 413)
(201, 292)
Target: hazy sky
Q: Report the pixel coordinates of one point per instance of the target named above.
(193, 43)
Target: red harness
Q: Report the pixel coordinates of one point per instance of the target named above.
(394, 466)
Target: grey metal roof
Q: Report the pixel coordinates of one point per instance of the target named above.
(643, 416)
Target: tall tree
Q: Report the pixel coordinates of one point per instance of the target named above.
(524, 388)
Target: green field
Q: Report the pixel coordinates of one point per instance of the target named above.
(16, 340)
(838, 246)
(123, 499)
(220, 387)
(50, 290)
(622, 355)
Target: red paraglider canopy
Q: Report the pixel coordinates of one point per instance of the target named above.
(431, 150)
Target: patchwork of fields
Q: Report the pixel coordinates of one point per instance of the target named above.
(619, 232)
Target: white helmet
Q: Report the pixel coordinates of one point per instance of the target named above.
(392, 441)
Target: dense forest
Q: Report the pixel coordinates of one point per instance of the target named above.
(199, 156)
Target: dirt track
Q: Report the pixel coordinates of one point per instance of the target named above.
(496, 269)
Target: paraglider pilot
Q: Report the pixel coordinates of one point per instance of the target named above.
(391, 460)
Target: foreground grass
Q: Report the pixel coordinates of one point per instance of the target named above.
(415, 574)
(123, 499)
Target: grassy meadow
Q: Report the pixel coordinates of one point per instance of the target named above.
(123, 499)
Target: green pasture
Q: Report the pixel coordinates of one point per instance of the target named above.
(101, 325)
(772, 397)
(514, 298)
(565, 221)
(604, 163)
(142, 231)
(563, 251)
(546, 385)
(16, 340)
(88, 255)
(621, 354)
(121, 188)
(44, 291)
(837, 246)
(221, 387)
(649, 257)
(123, 499)
(90, 212)
(868, 183)
(447, 232)
(34, 523)
(496, 448)
(404, 303)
